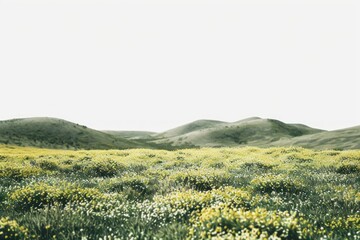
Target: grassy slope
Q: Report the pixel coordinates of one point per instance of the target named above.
(252, 131)
(348, 138)
(57, 133)
(131, 134)
(188, 128)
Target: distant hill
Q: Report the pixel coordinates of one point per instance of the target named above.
(348, 138)
(251, 131)
(188, 128)
(131, 134)
(57, 133)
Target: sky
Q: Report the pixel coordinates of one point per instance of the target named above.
(157, 64)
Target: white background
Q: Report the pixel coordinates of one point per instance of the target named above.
(157, 64)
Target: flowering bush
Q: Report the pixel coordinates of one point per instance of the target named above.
(182, 204)
(235, 223)
(202, 180)
(277, 183)
(133, 187)
(348, 169)
(48, 165)
(19, 172)
(10, 229)
(105, 168)
(41, 194)
(350, 225)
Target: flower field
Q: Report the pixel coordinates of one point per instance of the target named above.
(210, 193)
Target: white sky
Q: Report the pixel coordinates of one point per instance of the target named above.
(157, 64)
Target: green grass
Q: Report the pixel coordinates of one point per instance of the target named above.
(190, 127)
(340, 139)
(131, 134)
(57, 133)
(223, 193)
(248, 132)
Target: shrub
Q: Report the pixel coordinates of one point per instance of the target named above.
(47, 165)
(231, 223)
(137, 168)
(202, 180)
(178, 165)
(10, 229)
(348, 169)
(19, 173)
(256, 166)
(41, 194)
(277, 183)
(217, 165)
(135, 188)
(350, 223)
(105, 168)
(68, 162)
(298, 159)
(182, 204)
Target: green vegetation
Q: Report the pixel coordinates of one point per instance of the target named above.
(60, 134)
(206, 193)
(10, 229)
(230, 223)
(40, 195)
(252, 131)
(340, 139)
(57, 133)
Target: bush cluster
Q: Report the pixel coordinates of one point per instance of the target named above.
(19, 173)
(277, 183)
(41, 194)
(133, 187)
(105, 168)
(235, 223)
(202, 180)
(10, 229)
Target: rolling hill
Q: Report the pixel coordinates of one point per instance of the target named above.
(188, 128)
(131, 134)
(251, 131)
(348, 138)
(57, 133)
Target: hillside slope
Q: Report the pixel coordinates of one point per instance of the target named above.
(57, 133)
(188, 128)
(131, 134)
(252, 131)
(348, 138)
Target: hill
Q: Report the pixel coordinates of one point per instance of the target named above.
(251, 131)
(57, 133)
(348, 138)
(188, 128)
(131, 134)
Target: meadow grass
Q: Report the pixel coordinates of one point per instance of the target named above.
(207, 193)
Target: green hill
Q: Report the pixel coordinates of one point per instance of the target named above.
(188, 128)
(131, 134)
(348, 138)
(251, 131)
(57, 133)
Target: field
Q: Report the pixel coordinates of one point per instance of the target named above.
(206, 193)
